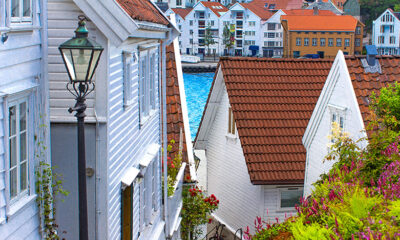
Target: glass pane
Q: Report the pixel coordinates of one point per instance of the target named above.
(13, 151)
(27, 8)
(22, 147)
(12, 120)
(23, 175)
(69, 63)
(15, 8)
(290, 198)
(13, 183)
(96, 55)
(81, 59)
(22, 116)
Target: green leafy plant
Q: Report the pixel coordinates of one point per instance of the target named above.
(196, 210)
(174, 163)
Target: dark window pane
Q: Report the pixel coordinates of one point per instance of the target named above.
(289, 198)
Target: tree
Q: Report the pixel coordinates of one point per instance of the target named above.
(208, 38)
(228, 38)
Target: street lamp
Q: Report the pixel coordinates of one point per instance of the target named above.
(81, 56)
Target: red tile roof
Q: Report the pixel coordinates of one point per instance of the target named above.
(257, 7)
(183, 12)
(321, 23)
(174, 111)
(366, 83)
(216, 7)
(279, 4)
(272, 102)
(308, 12)
(143, 10)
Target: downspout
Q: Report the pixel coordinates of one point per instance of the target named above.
(164, 133)
(96, 175)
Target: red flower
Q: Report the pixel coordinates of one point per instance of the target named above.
(213, 196)
(217, 201)
(188, 177)
(209, 220)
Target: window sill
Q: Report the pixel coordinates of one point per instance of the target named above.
(19, 28)
(286, 210)
(231, 136)
(20, 205)
(147, 118)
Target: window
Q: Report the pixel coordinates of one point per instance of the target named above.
(330, 42)
(271, 35)
(212, 23)
(382, 28)
(231, 123)
(21, 11)
(201, 14)
(392, 40)
(191, 31)
(239, 24)
(358, 30)
(315, 41)
(226, 23)
(347, 42)
(322, 42)
(178, 2)
(129, 60)
(239, 43)
(148, 78)
(252, 23)
(289, 197)
(298, 41)
(191, 22)
(391, 29)
(337, 116)
(381, 39)
(358, 42)
(271, 26)
(191, 41)
(296, 54)
(306, 41)
(338, 42)
(18, 149)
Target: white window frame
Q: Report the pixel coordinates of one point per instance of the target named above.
(148, 80)
(337, 114)
(280, 190)
(28, 195)
(129, 60)
(21, 19)
(149, 189)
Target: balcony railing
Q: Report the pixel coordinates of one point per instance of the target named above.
(175, 202)
(202, 25)
(239, 26)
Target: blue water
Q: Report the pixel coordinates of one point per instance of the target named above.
(197, 87)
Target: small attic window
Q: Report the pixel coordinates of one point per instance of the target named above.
(271, 6)
(266, 5)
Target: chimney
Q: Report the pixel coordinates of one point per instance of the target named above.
(315, 8)
(371, 53)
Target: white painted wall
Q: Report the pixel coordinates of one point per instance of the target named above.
(277, 41)
(21, 67)
(386, 48)
(338, 91)
(227, 176)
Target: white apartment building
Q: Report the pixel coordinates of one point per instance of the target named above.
(245, 26)
(272, 36)
(386, 33)
(203, 15)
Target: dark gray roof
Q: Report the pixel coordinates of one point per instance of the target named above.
(325, 6)
(163, 6)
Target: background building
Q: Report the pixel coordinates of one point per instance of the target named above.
(386, 33)
(322, 35)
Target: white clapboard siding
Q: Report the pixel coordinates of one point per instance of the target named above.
(127, 140)
(240, 201)
(62, 22)
(21, 62)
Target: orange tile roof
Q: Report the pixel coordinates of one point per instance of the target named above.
(183, 12)
(216, 7)
(174, 109)
(272, 102)
(308, 12)
(320, 23)
(258, 9)
(366, 83)
(142, 10)
(279, 4)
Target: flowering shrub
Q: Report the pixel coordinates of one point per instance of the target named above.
(360, 196)
(174, 163)
(196, 210)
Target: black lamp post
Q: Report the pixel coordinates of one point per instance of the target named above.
(81, 56)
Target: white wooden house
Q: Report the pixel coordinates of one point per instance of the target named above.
(386, 33)
(344, 99)
(23, 109)
(123, 128)
(251, 131)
